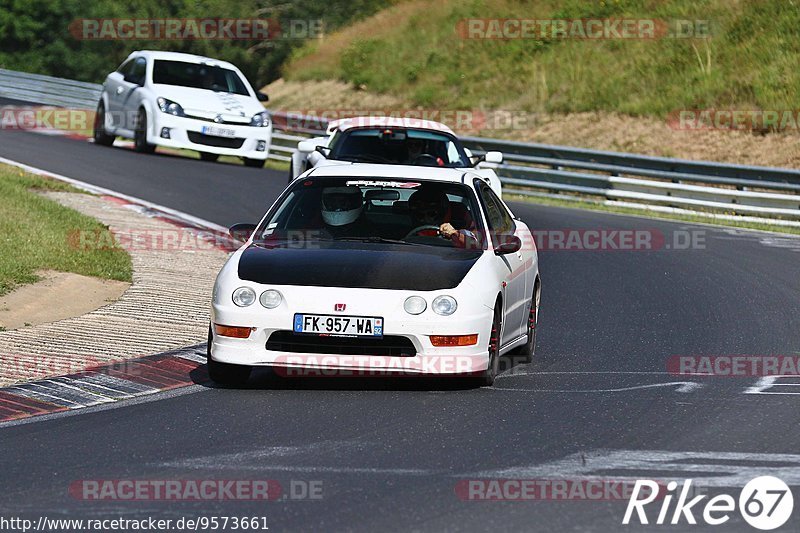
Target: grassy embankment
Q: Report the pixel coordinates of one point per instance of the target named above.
(413, 51)
(37, 233)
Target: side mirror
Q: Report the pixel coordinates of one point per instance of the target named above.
(493, 157)
(306, 147)
(262, 97)
(241, 232)
(509, 244)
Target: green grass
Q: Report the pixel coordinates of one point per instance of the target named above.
(39, 234)
(595, 206)
(413, 51)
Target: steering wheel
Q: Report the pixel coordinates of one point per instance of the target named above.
(426, 160)
(414, 231)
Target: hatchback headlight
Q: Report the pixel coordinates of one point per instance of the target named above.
(444, 305)
(168, 106)
(415, 305)
(244, 296)
(260, 120)
(271, 299)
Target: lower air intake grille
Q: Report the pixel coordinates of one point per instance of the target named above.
(213, 140)
(390, 345)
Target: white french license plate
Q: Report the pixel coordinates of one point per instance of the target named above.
(356, 326)
(218, 132)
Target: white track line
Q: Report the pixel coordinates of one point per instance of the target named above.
(685, 386)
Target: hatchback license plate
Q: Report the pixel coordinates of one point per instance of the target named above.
(356, 326)
(218, 132)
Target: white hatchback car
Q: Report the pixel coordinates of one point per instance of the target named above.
(369, 268)
(184, 101)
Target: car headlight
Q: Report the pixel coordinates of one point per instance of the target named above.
(244, 296)
(444, 305)
(260, 120)
(168, 106)
(270, 299)
(415, 305)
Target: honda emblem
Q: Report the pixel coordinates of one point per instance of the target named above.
(339, 307)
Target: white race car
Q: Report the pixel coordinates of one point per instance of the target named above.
(377, 268)
(388, 140)
(184, 101)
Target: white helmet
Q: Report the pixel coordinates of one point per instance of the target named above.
(341, 205)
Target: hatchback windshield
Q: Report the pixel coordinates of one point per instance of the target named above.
(378, 210)
(198, 76)
(398, 146)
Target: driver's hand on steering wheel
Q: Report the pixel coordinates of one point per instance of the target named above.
(447, 230)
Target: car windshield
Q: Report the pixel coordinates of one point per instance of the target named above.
(371, 210)
(399, 146)
(198, 76)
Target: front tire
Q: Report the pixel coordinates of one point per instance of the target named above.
(140, 143)
(254, 163)
(99, 134)
(528, 350)
(225, 373)
(493, 368)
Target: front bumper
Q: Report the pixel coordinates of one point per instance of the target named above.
(429, 360)
(186, 133)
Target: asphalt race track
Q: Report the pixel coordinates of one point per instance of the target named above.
(389, 455)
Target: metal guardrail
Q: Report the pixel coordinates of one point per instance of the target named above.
(531, 168)
(540, 169)
(48, 90)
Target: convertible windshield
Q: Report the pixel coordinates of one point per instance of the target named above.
(374, 210)
(198, 76)
(399, 146)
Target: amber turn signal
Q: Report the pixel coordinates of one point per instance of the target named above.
(454, 340)
(232, 331)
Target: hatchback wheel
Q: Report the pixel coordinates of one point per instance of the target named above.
(99, 134)
(140, 143)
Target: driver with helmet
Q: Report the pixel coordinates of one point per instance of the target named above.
(341, 211)
(432, 215)
(417, 153)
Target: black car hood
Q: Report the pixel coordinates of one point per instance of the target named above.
(357, 265)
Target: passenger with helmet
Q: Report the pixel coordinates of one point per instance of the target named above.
(432, 215)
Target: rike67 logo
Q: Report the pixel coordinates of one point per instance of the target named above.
(765, 503)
